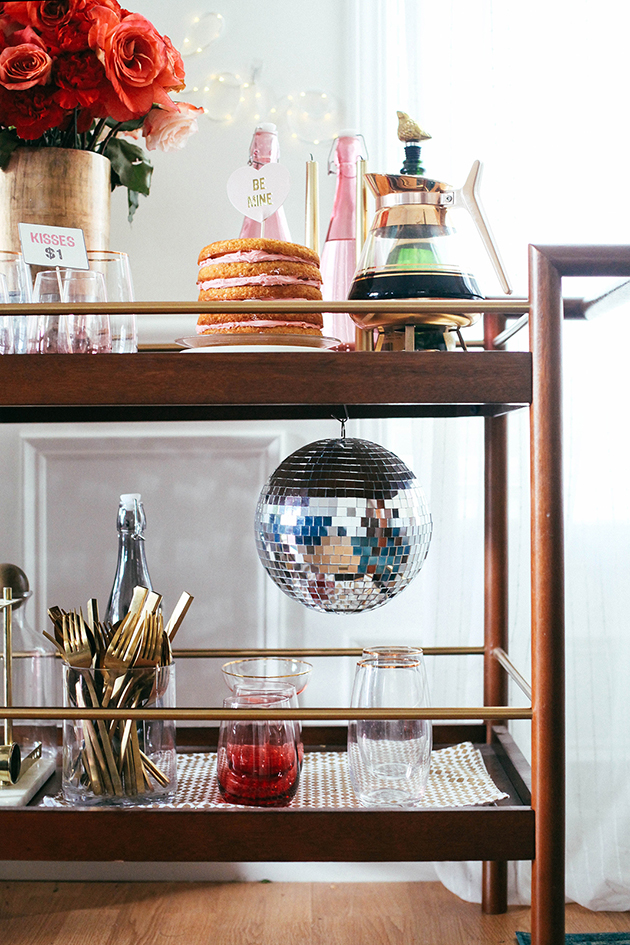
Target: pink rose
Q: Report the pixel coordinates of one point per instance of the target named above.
(24, 66)
(169, 131)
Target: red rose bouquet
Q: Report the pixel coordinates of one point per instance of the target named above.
(79, 73)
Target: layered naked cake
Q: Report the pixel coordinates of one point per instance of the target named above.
(261, 269)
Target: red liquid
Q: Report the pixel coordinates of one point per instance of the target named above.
(261, 775)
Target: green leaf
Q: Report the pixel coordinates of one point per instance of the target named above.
(130, 125)
(131, 165)
(115, 180)
(133, 202)
(8, 143)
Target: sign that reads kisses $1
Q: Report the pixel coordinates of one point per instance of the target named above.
(52, 246)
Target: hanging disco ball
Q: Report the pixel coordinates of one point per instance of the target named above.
(342, 525)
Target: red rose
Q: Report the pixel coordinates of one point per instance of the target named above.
(176, 66)
(15, 11)
(103, 19)
(24, 66)
(86, 116)
(26, 35)
(140, 65)
(80, 78)
(46, 15)
(7, 26)
(31, 112)
(63, 24)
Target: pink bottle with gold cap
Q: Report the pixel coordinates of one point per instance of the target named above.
(338, 263)
(265, 149)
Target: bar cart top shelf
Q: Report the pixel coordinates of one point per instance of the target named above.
(167, 385)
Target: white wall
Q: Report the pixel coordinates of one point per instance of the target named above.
(297, 47)
(200, 481)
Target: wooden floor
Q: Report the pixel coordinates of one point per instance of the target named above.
(262, 914)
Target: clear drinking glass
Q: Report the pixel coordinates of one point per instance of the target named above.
(48, 288)
(389, 760)
(258, 762)
(270, 672)
(392, 652)
(262, 670)
(288, 692)
(84, 334)
(35, 676)
(70, 334)
(115, 269)
(123, 762)
(18, 280)
(6, 321)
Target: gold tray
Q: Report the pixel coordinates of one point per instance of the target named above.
(244, 342)
(430, 319)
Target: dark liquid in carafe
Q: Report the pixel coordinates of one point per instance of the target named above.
(414, 285)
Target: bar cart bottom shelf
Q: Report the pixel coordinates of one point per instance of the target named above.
(341, 831)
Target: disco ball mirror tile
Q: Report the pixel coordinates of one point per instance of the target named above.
(342, 525)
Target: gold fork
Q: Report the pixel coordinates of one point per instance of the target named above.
(150, 650)
(148, 657)
(79, 654)
(93, 757)
(123, 646)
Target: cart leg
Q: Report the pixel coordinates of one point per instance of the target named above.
(494, 888)
(548, 721)
(494, 882)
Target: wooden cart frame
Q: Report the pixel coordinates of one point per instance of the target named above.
(488, 383)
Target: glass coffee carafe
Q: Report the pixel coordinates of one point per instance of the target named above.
(414, 251)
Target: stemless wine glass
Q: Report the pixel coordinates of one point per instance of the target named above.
(257, 761)
(258, 671)
(252, 686)
(392, 652)
(70, 334)
(6, 321)
(44, 336)
(115, 269)
(389, 760)
(18, 281)
(84, 334)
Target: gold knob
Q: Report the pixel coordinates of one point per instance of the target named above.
(10, 763)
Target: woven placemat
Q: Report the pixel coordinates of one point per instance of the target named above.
(458, 778)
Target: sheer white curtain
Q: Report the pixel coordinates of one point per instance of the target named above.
(538, 92)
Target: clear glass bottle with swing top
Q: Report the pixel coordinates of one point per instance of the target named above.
(131, 567)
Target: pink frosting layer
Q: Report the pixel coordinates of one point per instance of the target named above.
(264, 279)
(249, 256)
(259, 323)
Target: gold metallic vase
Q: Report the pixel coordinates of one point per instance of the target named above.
(56, 187)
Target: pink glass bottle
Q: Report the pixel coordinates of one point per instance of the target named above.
(338, 262)
(265, 149)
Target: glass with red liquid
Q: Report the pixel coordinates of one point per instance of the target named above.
(258, 762)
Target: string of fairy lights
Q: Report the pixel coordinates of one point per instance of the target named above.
(312, 116)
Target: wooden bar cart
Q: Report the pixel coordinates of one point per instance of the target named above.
(486, 383)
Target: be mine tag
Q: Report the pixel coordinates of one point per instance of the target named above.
(53, 246)
(259, 192)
